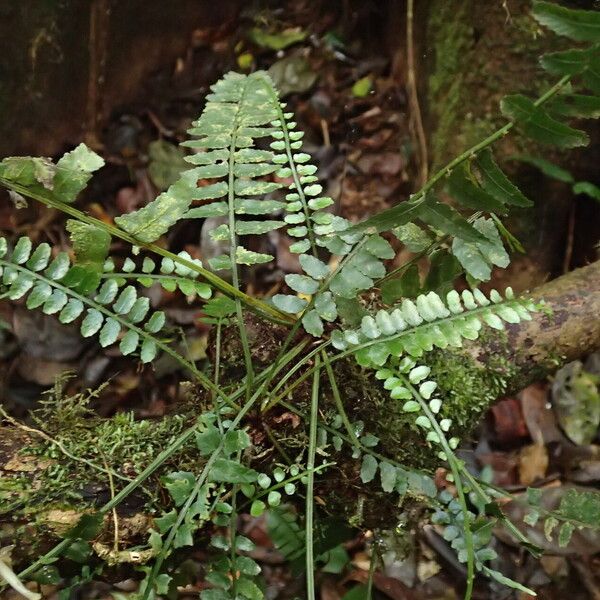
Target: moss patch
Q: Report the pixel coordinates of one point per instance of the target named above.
(479, 53)
(123, 444)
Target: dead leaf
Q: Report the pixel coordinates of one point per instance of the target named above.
(504, 466)
(43, 372)
(292, 74)
(576, 401)
(538, 414)
(533, 462)
(389, 586)
(384, 163)
(509, 424)
(44, 337)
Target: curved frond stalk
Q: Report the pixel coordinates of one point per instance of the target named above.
(470, 544)
(310, 485)
(413, 329)
(425, 407)
(254, 304)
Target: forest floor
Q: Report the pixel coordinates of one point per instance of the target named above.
(350, 99)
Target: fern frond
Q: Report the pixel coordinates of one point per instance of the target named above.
(65, 179)
(170, 276)
(156, 218)
(50, 285)
(90, 245)
(414, 328)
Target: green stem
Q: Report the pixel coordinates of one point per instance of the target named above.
(338, 400)
(273, 401)
(473, 150)
(310, 485)
(423, 254)
(371, 574)
(232, 535)
(267, 405)
(262, 308)
(510, 526)
(282, 360)
(233, 249)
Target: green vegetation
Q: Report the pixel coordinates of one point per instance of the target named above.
(248, 154)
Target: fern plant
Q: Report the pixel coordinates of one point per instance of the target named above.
(248, 169)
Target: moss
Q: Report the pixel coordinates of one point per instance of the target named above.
(122, 443)
(367, 401)
(480, 54)
(452, 39)
(468, 388)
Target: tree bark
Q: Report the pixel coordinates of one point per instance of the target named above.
(66, 66)
(500, 363)
(475, 54)
(569, 331)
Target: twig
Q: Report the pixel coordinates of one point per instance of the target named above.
(416, 121)
(310, 485)
(111, 484)
(570, 238)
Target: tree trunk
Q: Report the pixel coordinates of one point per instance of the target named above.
(65, 66)
(476, 53)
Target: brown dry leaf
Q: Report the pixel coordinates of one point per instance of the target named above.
(538, 414)
(287, 416)
(555, 566)
(362, 561)
(509, 424)
(503, 464)
(43, 372)
(27, 464)
(384, 163)
(390, 586)
(427, 569)
(533, 462)
(329, 590)
(44, 337)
